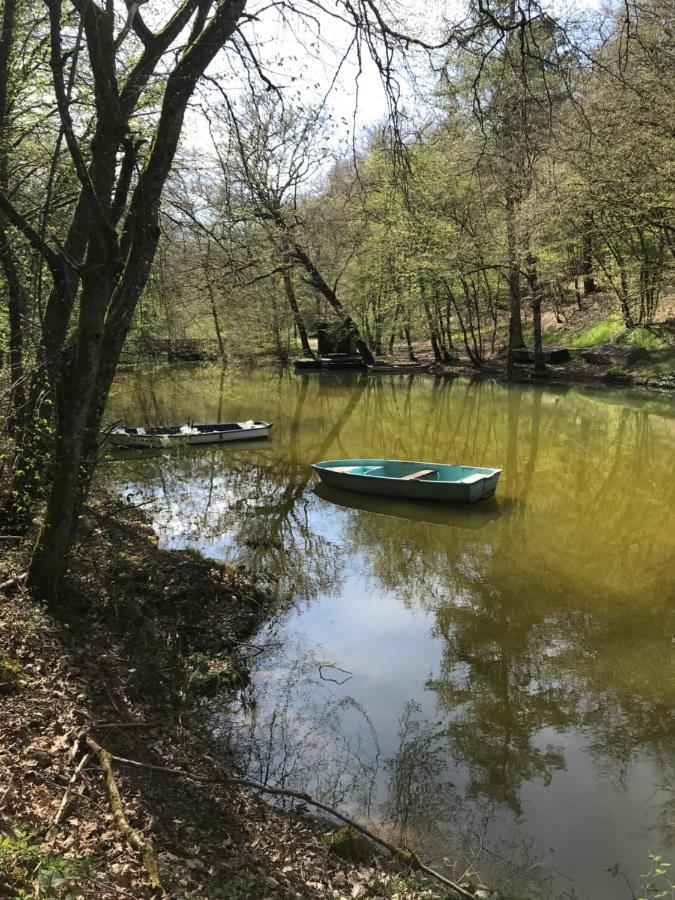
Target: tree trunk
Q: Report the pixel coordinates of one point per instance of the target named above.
(587, 257)
(74, 400)
(16, 308)
(577, 292)
(433, 334)
(216, 324)
(535, 287)
(317, 281)
(16, 298)
(48, 561)
(626, 312)
(515, 318)
(282, 353)
(118, 261)
(212, 303)
(438, 353)
(408, 342)
(297, 315)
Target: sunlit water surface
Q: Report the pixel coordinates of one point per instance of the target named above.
(492, 684)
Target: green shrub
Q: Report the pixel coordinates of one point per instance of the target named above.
(30, 870)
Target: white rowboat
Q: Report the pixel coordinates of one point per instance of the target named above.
(173, 435)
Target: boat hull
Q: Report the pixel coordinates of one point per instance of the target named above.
(454, 484)
(131, 439)
(345, 363)
(307, 363)
(402, 369)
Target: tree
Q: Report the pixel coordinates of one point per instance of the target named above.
(274, 153)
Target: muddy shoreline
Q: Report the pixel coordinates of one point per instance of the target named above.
(574, 373)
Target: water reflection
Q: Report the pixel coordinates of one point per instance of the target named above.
(511, 694)
(446, 515)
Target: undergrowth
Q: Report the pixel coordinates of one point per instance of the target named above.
(27, 869)
(612, 331)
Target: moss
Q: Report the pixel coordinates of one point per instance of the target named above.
(209, 677)
(350, 845)
(10, 672)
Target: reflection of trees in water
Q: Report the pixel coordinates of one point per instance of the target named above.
(424, 809)
(254, 513)
(254, 506)
(554, 617)
(418, 795)
(294, 729)
(544, 625)
(297, 729)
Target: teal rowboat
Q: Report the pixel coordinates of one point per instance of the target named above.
(410, 480)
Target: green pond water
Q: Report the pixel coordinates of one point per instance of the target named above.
(492, 684)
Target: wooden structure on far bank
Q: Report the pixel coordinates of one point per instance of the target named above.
(331, 339)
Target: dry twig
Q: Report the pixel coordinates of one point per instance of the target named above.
(408, 856)
(71, 782)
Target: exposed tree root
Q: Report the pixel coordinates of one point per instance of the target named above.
(132, 837)
(405, 855)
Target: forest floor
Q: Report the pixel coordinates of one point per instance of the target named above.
(143, 636)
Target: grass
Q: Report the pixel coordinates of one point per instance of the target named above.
(608, 331)
(643, 337)
(662, 367)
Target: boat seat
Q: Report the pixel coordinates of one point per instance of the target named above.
(341, 468)
(470, 479)
(421, 474)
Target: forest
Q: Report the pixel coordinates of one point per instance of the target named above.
(541, 177)
(541, 169)
(448, 183)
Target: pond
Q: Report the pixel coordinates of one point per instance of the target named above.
(493, 684)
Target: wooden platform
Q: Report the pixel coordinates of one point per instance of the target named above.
(550, 354)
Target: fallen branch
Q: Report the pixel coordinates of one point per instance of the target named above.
(125, 725)
(132, 836)
(14, 580)
(406, 855)
(71, 782)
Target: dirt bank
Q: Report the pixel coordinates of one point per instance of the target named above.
(143, 635)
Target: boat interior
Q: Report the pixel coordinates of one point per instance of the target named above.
(415, 472)
(193, 429)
